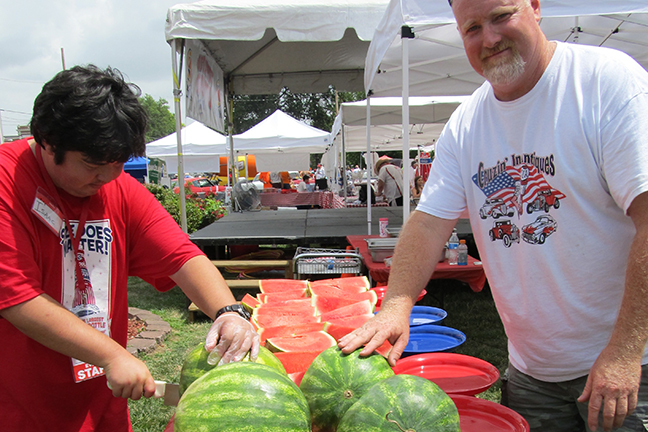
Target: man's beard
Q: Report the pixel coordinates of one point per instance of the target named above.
(503, 71)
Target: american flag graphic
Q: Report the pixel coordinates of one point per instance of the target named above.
(528, 179)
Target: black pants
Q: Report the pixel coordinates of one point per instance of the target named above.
(322, 184)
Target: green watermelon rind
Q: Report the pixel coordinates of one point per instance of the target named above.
(195, 365)
(335, 381)
(413, 402)
(242, 397)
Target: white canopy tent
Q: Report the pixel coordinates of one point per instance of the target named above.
(265, 45)
(281, 142)
(202, 149)
(416, 49)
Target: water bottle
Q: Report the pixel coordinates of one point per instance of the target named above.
(462, 253)
(453, 245)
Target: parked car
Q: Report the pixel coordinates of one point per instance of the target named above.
(506, 231)
(495, 207)
(538, 231)
(545, 199)
(200, 186)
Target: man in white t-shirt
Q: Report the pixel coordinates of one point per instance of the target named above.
(549, 158)
(390, 181)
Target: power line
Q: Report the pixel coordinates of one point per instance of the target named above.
(21, 81)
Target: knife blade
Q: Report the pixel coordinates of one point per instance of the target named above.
(169, 391)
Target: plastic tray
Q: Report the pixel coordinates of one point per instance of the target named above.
(430, 338)
(456, 374)
(479, 415)
(422, 315)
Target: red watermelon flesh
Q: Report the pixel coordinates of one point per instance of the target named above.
(352, 321)
(283, 295)
(325, 303)
(280, 285)
(360, 308)
(297, 361)
(297, 304)
(249, 302)
(296, 377)
(289, 330)
(271, 319)
(353, 284)
(313, 341)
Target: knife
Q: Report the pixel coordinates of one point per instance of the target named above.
(169, 391)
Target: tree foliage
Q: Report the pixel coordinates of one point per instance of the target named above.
(161, 120)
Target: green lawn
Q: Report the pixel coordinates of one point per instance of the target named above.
(472, 313)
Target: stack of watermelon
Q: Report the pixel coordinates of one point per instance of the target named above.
(299, 319)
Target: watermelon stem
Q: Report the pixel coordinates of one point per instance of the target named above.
(396, 423)
(348, 394)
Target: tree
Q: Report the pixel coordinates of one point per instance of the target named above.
(161, 120)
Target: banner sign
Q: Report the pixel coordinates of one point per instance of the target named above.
(205, 87)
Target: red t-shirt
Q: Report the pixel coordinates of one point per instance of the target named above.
(127, 233)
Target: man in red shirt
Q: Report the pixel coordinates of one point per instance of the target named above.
(74, 228)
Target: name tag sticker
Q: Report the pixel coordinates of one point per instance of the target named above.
(45, 209)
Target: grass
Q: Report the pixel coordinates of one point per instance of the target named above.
(472, 313)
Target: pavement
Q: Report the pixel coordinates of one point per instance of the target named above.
(148, 339)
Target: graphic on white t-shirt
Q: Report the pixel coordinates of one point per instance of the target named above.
(511, 189)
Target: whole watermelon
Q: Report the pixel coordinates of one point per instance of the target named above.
(335, 381)
(195, 365)
(402, 402)
(242, 397)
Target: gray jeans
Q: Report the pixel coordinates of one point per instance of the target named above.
(552, 407)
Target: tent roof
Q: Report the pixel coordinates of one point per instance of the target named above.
(197, 139)
(428, 115)
(264, 45)
(438, 64)
(281, 133)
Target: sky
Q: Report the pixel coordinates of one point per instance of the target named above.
(125, 34)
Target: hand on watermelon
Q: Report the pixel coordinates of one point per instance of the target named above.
(390, 324)
(230, 338)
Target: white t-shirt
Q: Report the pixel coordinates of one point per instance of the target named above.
(302, 186)
(392, 177)
(547, 180)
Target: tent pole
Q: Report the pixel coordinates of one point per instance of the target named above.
(177, 93)
(369, 163)
(406, 35)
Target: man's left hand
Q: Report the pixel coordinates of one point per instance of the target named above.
(232, 336)
(612, 386)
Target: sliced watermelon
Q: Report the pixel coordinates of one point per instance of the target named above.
(289, 330)
(279, 285)
(283, 295)
(273, 317)
(296, 361)
(353, 284)
(249, 302)
(360, 308)
(297, 304)
(297, 377)
(325, 303)
(313, 341)
(352, 321)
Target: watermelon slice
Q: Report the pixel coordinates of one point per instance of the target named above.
(353, 321)
(296, 377)
(283, 320)
(297, 361)
(325, 303)
(279, 285)
(313, 341)
(289, 330)
(297, 304)
(283, 295)
(249, 302)
(360, 308)
(353, 284)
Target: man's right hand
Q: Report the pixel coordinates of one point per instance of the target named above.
(128, 377)
(389, 324)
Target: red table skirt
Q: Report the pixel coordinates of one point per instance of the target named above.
(472, 274)
(324, 199)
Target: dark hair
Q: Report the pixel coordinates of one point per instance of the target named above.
(92, 111)
(306, 177)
